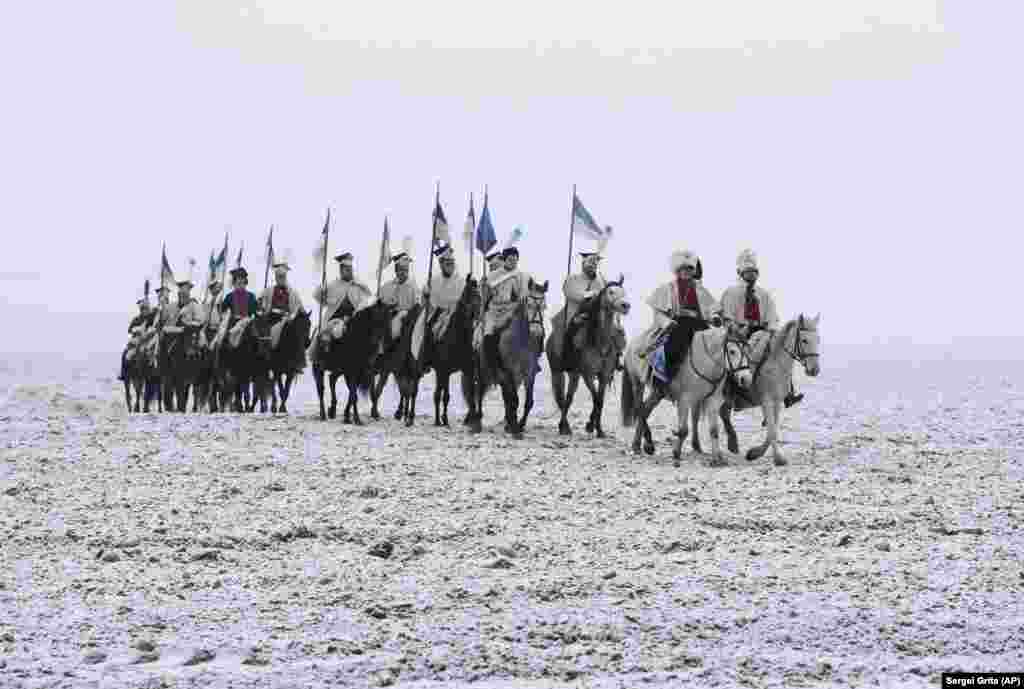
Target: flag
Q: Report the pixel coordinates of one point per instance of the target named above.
(441, 235)
(221, 263)
(583, 223)
(513, 238)
(145, 289)
(211, 268)
(320, 253)
(385, 250)
(270, 248)
(166, 274)
(485, 237)
(470, 228)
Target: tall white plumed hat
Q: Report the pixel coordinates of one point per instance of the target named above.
(747, 260)
(682, 258)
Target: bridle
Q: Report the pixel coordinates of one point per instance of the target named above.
(534, 306)
(728, 369)
(799, 355)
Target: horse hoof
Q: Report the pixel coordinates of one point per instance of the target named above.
(357, 421)
(398, 416)
(734, 447)
(283, 409)
(346, 420)
(719, 461)
(437, 423)
(676, 463)
(754, 453)
(408, 422)
(332, 413)
(564, 429)
(649, 448)
(779, 461)
(590, 426)
(601, 434)
(476, 428)
(375, 416)
(273, 409)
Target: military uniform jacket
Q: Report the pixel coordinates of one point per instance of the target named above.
(403, 296)
(283, 298)
(337, 291)
(446, 292)
(577, 288)
(668, 298)
(734, 307)
(189, 313)
(240, 303)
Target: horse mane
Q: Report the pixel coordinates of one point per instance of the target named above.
(593, 312)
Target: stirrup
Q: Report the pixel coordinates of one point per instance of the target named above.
(792, 399)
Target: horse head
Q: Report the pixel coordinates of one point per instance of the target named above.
(536, 305)
(259, 331)
(613, 297)
(470, 300)
(190, 341)
(806, 344)
(737, 361)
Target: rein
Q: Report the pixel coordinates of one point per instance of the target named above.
(727, 367)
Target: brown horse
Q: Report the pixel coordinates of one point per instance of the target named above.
(598, 351)
(288, 359)
(454, 351)
(519, 347)
(407, 369)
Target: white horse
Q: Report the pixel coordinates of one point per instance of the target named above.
(713, 356)
(773, 355)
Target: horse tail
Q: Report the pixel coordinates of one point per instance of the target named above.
(466, 383)
(628, 405)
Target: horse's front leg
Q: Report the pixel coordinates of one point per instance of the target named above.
(725, 414)
(318, 379)
(757, 451)
(274, 383)
(286, 393)
(527, 403)
(439, 383)
(774, 422)
(510, 392)
(332, 412)
(353, 404)
(602, 386)
(642, 426)
(412, 385)
(683, 416)
(710, 409)
(589, 382)
(695, 420)
(447, 396)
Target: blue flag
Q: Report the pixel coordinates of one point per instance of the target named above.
(485, 237)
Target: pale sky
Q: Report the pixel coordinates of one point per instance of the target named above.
(869, 151)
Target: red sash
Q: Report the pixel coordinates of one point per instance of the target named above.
(240, 302)
(280, 298)
(687, 294)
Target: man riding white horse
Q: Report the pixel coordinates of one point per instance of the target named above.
(344, 296)
(747, 308)
(681, 308)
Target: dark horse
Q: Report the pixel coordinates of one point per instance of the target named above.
(288, 359)
(179, 364)
(407, 369)
(520, 344)
(140, 377)
(206, 389)
(352, 356)
(245, 365)
(598, 351)
(454, 351)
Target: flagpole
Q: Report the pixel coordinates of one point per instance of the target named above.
(433, 238)
(266, 269)
(323, 275)
(380, 259)
(485, 257)
(472, 237)
(568, 268)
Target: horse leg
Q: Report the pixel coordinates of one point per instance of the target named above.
(374, 396)
(438, 394)
(128, 394)
(757, 451)
(512, 410)
(446, 398)
(353, 402)
(773, 434)
(527, 403)
(725, 414)
(318, 379)
(286, 393)
(589, 382)
(602, 386)
(683, 415)
(695, 421)
(332, 412)
(412, 386)
(716, 450)
(641, 422)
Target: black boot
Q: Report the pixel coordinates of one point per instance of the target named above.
(791, 397)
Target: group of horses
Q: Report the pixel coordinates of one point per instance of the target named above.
(719, 374)
(233, 378)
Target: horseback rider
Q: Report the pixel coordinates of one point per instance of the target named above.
(237, 307)
(281, 301)
(504, 290)
(211, 314)
(443, 292)
(187, 311)
(344, 296)
(401, 294)
(578, 288)
(747, 308)
(135, 329)
(681, 308)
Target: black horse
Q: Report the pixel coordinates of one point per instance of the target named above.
(454, 352)
(288, 359)
(247, 365)
(354, 357)
(398, 360)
